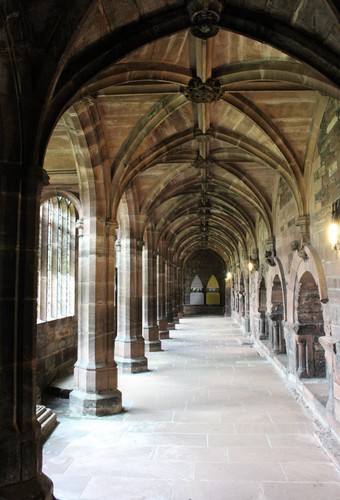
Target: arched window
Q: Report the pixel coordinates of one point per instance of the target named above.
(56, 265)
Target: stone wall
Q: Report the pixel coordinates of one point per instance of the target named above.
(56, 349)
(325, 187)
(204, 264)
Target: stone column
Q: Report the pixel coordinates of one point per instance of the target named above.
(175, 294)
(95, 372)
(161, 319)
(20, 445)
(180, 293)
(246, 306)
(301, 369)
(228, 298)
(169, 295)
(150, 327)
(130, 347)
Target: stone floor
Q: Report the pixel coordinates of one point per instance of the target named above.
(210, 420)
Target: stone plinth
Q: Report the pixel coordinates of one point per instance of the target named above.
(130, 356)
(86, 403)
(151, 338)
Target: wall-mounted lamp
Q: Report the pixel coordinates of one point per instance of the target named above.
(334, 226)
(228, 276)
(253, 263)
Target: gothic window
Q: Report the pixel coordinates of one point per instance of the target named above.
(56, 265)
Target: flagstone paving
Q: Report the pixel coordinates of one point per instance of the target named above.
(210, 420)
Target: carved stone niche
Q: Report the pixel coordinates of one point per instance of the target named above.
(199, 92)
(205, 16)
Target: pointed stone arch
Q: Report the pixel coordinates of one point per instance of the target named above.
(307, 297)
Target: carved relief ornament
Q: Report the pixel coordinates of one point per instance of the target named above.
(199, 92)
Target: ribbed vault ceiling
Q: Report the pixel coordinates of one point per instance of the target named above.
(199, 174)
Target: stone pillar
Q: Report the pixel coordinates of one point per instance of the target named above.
(161, 319)
(262, 325)
(95, 372)
(150, 327)
(180, 295)
(169, 295)
(228, 297)
(175, 293)
(20, 445)
(301, 369)
(278, 342)
(246, 307)
(130, 349)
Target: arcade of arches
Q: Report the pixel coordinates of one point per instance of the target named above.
(183, 159)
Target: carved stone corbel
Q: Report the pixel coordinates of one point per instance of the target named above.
(298, 245)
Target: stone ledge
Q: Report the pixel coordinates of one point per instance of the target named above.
(93, 404)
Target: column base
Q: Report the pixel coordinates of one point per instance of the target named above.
(39, 488)
(163, 329)
(164, 334)
(132, 365)
(151, 338)
(153, 345)
(85, 403)
(171, 326)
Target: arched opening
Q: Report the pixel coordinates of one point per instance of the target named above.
(310, 356)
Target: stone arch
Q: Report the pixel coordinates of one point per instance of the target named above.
(306, 313)
(299, 266)
(310, 354)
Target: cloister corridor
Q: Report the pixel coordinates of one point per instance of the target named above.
(211, 419)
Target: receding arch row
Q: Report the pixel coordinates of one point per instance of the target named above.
(259, 153)
(182, 239)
